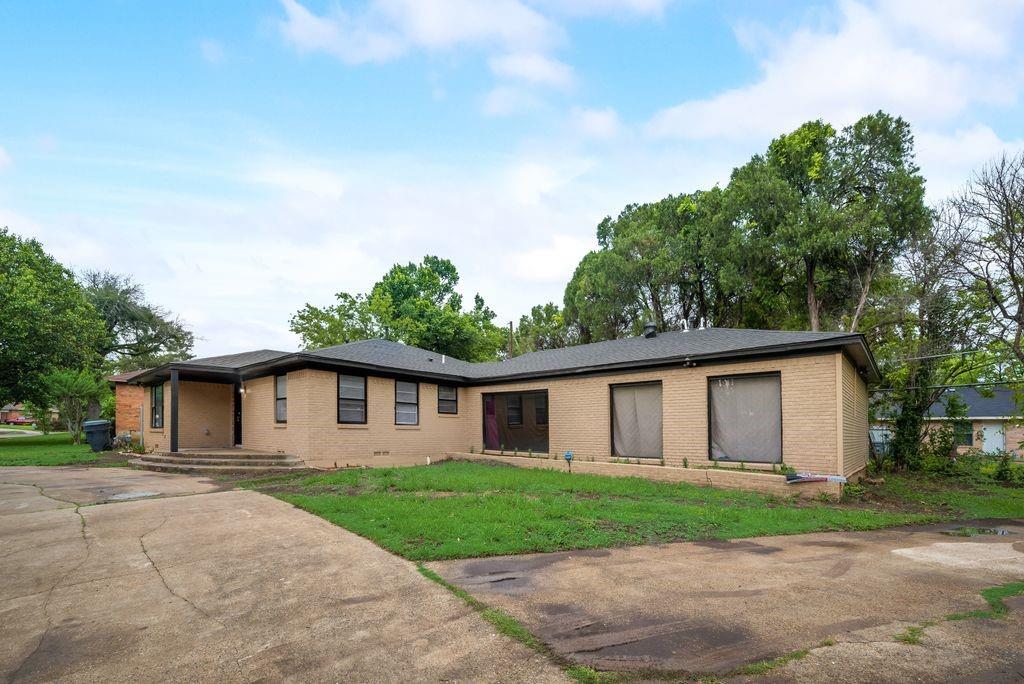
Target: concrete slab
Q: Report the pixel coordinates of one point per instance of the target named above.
(80, 485)
(714, 606)
(225, 586)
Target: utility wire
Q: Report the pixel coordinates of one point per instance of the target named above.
(1018, 381)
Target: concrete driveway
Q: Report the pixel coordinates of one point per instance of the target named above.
(173, 580)
(712, 607)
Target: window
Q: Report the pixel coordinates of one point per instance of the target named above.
(964, 433)
(156, 406)
(514, 409)
(745, 418)
(540, 408)
(281, 398)
(351, 399)
(636, 420)
(407, 400)
(447, 399)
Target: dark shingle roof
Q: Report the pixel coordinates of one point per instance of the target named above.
(668, 346)
(633, 352)
(387, 354)
(126, 377)
(982, 402)
(234, 361)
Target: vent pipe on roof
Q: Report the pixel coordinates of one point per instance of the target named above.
(650, 330)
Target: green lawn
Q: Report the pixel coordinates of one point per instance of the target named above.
(462, 510)
(950, 497)
(43, 450)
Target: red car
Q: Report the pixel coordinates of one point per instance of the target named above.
(20, 420)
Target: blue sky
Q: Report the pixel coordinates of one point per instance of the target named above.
(241, 159)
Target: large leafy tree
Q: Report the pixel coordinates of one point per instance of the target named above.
(138, 334)
(833, 210)
(46, 320)
(413, 303)
(73, 391)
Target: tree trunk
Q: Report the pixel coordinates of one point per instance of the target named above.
(92, 411)
(865, 287)
(813, 305)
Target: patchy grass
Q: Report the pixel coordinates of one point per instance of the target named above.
(913, 635)
(766, 666)
(464, 510)
(44, 450)
(966, 498)
(994, 597)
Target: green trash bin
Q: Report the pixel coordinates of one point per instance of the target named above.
(97, 434)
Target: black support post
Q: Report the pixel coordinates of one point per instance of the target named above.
(174, 411)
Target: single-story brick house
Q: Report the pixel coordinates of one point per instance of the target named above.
(695, 398)
(992, 422)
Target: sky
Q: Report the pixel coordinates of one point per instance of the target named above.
(240, 159)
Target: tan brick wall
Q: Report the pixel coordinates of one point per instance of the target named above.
(855, 420)
(765, 483)
(1014, 437)
(314, 434)
(579, 411)
(128, 400)
(204, 417)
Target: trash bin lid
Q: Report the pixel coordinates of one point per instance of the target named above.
(95, 423)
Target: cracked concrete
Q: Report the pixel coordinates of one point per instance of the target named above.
(219, 586)
(711, 607)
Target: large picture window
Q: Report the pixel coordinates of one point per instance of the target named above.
(407, 403)
(447, 399)
(156, 406)
(636, 420)
(352, 399)
(281, 398)
(745, 414)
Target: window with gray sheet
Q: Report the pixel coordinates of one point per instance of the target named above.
(636, 420)
(745, 413)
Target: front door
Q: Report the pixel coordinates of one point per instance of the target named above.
(238, 415)
(992, 437)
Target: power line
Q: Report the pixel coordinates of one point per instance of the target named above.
(1019, 381)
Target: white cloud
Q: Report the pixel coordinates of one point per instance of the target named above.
(875, 58)
(601, 124)
(533, 68)
(211, 50)
(553, 262)
(387, 29)
(508, 100)
(947, 160)
(300, 179)
(605, 7)
(530, 181)
(5, 159)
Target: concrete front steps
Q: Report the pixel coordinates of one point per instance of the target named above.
(218, 462)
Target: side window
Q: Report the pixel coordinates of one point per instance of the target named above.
(352, 399)
(281, 398)
(156, 406)
(447, 399)
(407, 403)
(540, 406)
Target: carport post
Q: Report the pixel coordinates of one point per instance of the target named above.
(174, 411)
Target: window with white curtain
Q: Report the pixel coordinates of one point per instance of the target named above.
(281, 398)
(407, 400)
(636, 420)
(745, 414)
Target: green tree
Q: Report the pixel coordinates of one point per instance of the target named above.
(832, 210)
(413, 303)
(543, 328)
(138, 334)
(46, 320)
(73, 391)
